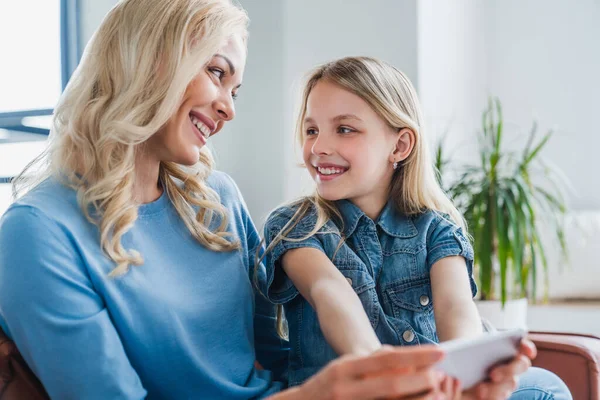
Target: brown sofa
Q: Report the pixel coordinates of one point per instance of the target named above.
(16, 379)
(575, 358)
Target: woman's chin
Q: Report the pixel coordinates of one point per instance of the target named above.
(188, 159)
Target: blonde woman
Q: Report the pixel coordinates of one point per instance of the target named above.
(378, 254)
(125, 270)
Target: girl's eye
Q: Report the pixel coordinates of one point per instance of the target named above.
(311, 131)
(218, 72)
(234, 96)
(344, 129)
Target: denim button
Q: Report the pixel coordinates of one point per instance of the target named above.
(409, 336)
(349, 281)
(424, 300)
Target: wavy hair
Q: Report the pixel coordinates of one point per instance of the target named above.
(130, 81)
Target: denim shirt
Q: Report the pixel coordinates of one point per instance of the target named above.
(387, 262)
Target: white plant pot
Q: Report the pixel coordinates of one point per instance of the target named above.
(512, 316)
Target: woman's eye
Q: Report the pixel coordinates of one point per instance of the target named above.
(311, 131)
(344, 129)
(218, 72)
(234, 96)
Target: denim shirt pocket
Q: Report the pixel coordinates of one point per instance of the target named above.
(412, 303)
(364, 287)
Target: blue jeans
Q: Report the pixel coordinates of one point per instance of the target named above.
(540, 384)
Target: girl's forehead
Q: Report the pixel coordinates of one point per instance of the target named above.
(326, 98)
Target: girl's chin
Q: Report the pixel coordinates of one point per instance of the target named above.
(329, 195)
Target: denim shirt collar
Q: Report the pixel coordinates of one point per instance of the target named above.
(391, 221)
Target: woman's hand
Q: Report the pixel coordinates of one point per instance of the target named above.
(503, 378)
(392, 372)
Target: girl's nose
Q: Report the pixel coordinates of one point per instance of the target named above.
(322, 145)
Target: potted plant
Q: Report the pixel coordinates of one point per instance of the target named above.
(505, 197)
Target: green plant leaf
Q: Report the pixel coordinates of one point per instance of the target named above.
(498, 140)
(536, 150)
(486, 253)
(530, 138)
(502, 243)
(518, 240)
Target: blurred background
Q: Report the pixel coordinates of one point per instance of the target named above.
(540, 58)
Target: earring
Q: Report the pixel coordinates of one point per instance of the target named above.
(395, 165)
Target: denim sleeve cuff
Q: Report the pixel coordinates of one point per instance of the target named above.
(279, 287)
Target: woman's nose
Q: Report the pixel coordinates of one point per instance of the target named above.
(225, 108)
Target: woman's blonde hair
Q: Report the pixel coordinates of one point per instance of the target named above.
(131, 80)
(414, 187)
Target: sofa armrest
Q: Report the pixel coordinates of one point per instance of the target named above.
(16, 379)
(575, 358)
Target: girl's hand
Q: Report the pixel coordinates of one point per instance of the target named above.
(392, 372)
(451, 389)
(503, 378)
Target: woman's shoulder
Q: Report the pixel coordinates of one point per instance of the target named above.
(225, 187)
(44, 213)
(50, 198)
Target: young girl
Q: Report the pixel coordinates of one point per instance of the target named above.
(379, 254)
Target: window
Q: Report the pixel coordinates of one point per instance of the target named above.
(39, 50)
(39, 54)
(26, 86)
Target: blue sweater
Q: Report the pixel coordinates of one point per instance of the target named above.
(185, 324)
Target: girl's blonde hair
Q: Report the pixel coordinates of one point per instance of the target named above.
(414, 187)
(131, 80)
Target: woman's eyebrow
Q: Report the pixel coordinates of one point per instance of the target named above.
(228, 61)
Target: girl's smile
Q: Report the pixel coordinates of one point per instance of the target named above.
(328, 172)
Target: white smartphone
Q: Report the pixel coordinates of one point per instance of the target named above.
(470, 360)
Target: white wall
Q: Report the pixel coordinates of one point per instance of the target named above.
(544, 62)
(251, 147)
(452, 72)
(91, 13)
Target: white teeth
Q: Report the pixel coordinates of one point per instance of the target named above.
(201, 127)
(330, 171)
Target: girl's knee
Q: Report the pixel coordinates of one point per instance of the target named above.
(541, 384)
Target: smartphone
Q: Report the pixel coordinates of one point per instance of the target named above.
(470, 360)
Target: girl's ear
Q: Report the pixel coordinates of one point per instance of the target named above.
(404, 145)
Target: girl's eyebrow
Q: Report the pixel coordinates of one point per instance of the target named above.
(309, 120)
(345, 116)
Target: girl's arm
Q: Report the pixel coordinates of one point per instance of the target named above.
(455, 312)
(342, 318)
